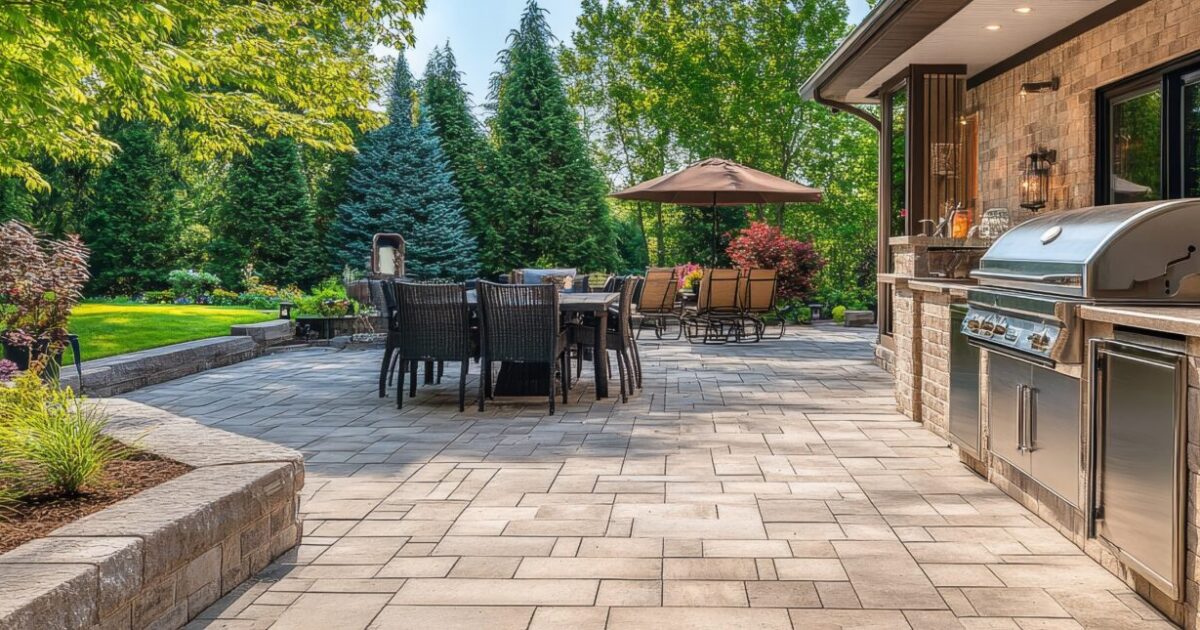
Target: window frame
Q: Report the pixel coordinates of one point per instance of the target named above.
(1169, 79)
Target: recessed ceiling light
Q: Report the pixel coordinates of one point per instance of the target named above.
(1023, 10)
(992, 27)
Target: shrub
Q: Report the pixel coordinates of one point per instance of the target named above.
(50, 439)
(192, 284)
(221, 297)
(41, 280)
(766, 247)
(8, 370)
(159, 297)
(794, 312)
(839, 313)
(328, 299)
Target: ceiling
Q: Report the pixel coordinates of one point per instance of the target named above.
(963, 39)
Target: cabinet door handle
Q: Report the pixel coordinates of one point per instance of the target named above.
(1020, 418)
(1030, 418)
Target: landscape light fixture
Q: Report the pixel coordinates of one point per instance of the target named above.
(1035, 178)
(1039, 87)
(285, 310)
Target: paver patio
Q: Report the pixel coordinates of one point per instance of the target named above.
(750, 486)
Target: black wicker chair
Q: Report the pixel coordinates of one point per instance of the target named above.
(620, 336)
(436, 322)
(388, 366)
(520, 324)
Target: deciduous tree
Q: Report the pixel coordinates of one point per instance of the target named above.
(225, 72)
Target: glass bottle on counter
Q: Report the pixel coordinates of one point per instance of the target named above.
(960, 222)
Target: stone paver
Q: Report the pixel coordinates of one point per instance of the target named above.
(767, 485)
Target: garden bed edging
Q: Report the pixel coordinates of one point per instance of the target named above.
(159, 558)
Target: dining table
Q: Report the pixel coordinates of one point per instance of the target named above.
(516, 379)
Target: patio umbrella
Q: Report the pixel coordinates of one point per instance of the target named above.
(715, 182)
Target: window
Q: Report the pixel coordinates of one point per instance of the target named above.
(898, 162)
(1149, 136)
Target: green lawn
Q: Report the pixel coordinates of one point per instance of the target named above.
(108, 329)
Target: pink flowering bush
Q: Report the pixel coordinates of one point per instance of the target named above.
(762, 246)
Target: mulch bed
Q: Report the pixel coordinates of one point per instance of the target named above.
(37, 516)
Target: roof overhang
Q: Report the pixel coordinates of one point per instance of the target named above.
(900, 33)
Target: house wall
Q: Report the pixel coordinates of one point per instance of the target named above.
(1012, 126)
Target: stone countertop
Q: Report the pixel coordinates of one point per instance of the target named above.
(956, 288)
(1180, 320)
(940, 242)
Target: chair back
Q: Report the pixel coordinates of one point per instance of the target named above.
(659, 290)
(629, 287)
(718, 291)
(760, 289)
(434, 321)
(389, 302)
(520, 322)
(609, 283)
(582, 284)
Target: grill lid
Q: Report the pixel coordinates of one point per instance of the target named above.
(1143, 251)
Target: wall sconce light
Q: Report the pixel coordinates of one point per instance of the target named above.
(1035, 178)
(1039, 87)
(285, 310)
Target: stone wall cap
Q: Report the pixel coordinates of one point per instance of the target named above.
(185, 440)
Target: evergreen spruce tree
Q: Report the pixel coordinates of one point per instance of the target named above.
(266, 219)
(401, 183)
(447, 105)
(553, 207)
(133, 229)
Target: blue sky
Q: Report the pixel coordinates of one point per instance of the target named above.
(476, 30)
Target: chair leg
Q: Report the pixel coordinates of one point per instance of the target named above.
(637, 361)
(462, 385)
(412, 380)
(392, 369)
(565, 375)
(383, 370)
(630, 353)
(551, 380)
(400, 385)
(485, 371)
(441, 369)
(621, 374)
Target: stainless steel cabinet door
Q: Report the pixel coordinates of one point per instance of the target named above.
(1139, 492)
(1006, 381)
(1054, 434)
(964, 385)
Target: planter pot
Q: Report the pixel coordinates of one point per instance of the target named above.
(23, 356)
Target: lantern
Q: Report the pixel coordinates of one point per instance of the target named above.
(1035, 179)
(285, 310)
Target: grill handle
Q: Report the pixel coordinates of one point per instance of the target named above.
(1049, 278)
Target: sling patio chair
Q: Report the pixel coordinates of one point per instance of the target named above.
(656, 303)
(619, 337)
(714, 320)
(760, 287)
(520, 324)
(435, 321)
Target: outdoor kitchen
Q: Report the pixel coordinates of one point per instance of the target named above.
(1039, 280)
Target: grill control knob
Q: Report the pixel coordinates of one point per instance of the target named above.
(1000, 327)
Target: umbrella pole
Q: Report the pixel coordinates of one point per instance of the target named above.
(716, 230)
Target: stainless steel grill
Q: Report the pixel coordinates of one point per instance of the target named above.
(1034, 277)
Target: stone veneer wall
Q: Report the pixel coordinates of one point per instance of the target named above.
(906, 333)
(935, 362)
(159, 558)
(1011, 126)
